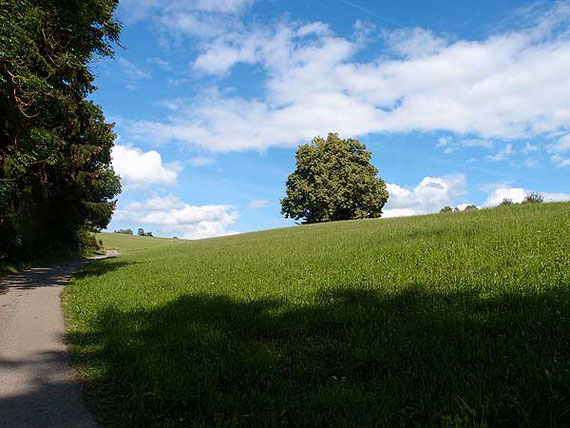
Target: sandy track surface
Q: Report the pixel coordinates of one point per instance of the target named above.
(37, 385)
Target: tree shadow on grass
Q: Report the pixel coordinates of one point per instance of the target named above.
(101, 267)
(352, 357)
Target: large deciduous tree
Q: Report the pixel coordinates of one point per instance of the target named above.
(334, 180)
(56, 179)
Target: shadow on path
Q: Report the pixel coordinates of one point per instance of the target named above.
(37, 385)
(44, 401)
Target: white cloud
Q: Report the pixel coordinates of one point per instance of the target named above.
(530, 163)
(199, 161)
(518, 194)
(132, 11)
(225, 6)
(174, 217)
(156, 203)
(429, 196)
(449, 145)
(478, 142)
(559, 161)
(173, 19)
(443, 142)
(503, 154)
(415, 42)
(556, 197)
(509, 86)
(138, 168)
(562, 145)
(132, 73)
(160, 63)
(530, 148)
(258, 203)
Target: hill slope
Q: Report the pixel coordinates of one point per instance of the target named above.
(445, 320)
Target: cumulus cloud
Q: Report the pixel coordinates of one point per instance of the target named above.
(518, 194)
(429, 196)
(171, 216)
(415, 42)
(138, 168)
(507, 86)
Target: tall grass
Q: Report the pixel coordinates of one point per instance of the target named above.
(454, 320)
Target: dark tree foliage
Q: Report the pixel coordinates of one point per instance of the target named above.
(141, 232)
(446, 209)
(56, 180)
(334, 180)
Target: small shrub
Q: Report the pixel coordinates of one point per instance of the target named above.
(534, 198)
(506, 202)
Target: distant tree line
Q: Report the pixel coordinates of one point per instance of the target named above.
(448, 209)
(56, 180)
(124, 231)
(141, 232)
(532, 198)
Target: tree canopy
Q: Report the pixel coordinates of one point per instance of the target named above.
(56, 179)
(334, 180)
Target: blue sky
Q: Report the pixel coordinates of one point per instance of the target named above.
(459, 102)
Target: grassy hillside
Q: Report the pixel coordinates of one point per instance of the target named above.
(454, 320)
(128, 244)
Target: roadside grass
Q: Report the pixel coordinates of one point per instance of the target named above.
(451, 320)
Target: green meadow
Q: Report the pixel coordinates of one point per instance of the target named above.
(447, 320)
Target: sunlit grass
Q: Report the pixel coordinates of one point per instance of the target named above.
(132, 243)
(452, 320)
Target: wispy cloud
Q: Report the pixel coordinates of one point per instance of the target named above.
(258, 203)
(132, 73)
(356, 6)
(498, 88)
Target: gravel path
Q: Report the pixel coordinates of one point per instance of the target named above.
(37, 384)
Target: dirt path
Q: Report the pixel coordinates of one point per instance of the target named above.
(37, 384)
